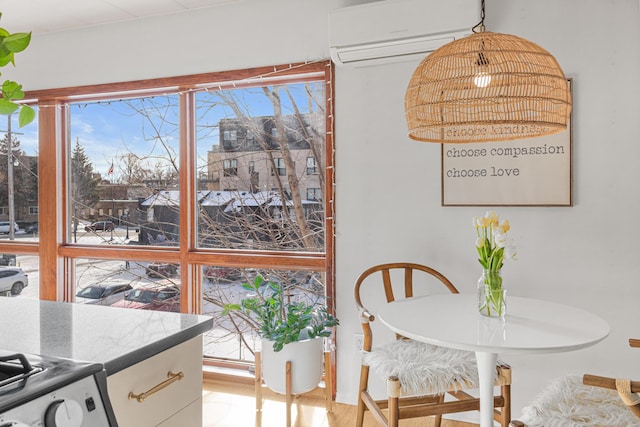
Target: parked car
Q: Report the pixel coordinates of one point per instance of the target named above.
(13, 279)
(31, 229)
(8, 259)
(100, 226)
(163, 298)
(161, 269)
(104, 293)
(4, 227)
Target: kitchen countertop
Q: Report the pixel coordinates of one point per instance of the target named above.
(115, 337)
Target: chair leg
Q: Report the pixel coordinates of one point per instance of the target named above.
(328, 382)
(258, 382)
(393, 391)
(437, 419)
(258, 388)
(289, 397)
(364, 383)
(505, 412)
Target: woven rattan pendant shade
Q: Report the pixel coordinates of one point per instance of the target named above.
(527, 96)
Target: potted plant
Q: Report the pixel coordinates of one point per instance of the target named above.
(290, 331)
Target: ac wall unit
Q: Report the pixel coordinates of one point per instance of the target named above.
(394, 30)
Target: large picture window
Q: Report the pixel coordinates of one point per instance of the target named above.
(166, 196)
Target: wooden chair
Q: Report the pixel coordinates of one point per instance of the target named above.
(624, 407)
(404, 401)
(626, 388)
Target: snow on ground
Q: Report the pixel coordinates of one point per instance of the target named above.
(219, 341)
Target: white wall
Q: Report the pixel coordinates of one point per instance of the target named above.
(388, 187)
(239, 35)
(388, 196)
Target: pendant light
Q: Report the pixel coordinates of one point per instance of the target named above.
(487, 87)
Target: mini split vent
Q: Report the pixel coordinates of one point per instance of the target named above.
(397, 30)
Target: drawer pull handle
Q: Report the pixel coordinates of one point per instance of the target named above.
(153, 390)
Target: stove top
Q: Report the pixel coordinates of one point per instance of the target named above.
(14, 368)
(52, 391)
(20, 384)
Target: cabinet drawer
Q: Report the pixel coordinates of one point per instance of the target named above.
(185, 358)
(190, 416)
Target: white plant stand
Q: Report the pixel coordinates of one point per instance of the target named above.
(259, 383)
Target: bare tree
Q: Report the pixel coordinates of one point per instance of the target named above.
(236, 209)
(131, 169)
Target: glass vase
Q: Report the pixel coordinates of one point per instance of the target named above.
(492, 301)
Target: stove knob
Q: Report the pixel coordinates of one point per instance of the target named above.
(13, 424)
(63, 413)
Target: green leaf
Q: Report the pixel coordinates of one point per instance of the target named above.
(231, 307)
(7, 107)
(12, 90)
(17, 42)
(26, 116)
(257, 282)
(6, 58)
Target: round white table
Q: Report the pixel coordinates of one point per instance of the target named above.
(530, 326)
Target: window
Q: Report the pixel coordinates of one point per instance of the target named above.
(280, 169)
(155, 199)
(312, 167)
(230, 136)
(314, 194)
(18, 208)
(259, 214)
(230, 139)
(231, 167)
(140, 174)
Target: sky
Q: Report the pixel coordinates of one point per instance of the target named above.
(109, 129)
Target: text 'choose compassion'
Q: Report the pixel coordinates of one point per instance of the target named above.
(471, 152)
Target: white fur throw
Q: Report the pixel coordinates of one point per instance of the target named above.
(423, 368)
(566, 402)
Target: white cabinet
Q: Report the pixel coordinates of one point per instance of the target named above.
(186, 416)
(177, 404)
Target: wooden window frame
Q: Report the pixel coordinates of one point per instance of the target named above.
(56, 255)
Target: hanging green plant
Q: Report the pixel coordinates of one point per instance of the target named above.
(10, 44)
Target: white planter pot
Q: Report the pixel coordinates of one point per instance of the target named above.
(306, 365)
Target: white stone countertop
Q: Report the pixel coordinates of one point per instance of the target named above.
(115, 337)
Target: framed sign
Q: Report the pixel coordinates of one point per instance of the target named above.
(524, 172)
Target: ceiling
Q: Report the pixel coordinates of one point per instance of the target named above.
(45, 16)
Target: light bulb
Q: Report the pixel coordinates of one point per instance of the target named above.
(482, 79)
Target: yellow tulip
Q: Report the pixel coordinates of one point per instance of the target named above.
(505, 226)
(492, 217)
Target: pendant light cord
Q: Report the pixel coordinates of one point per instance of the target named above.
(479, 27)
